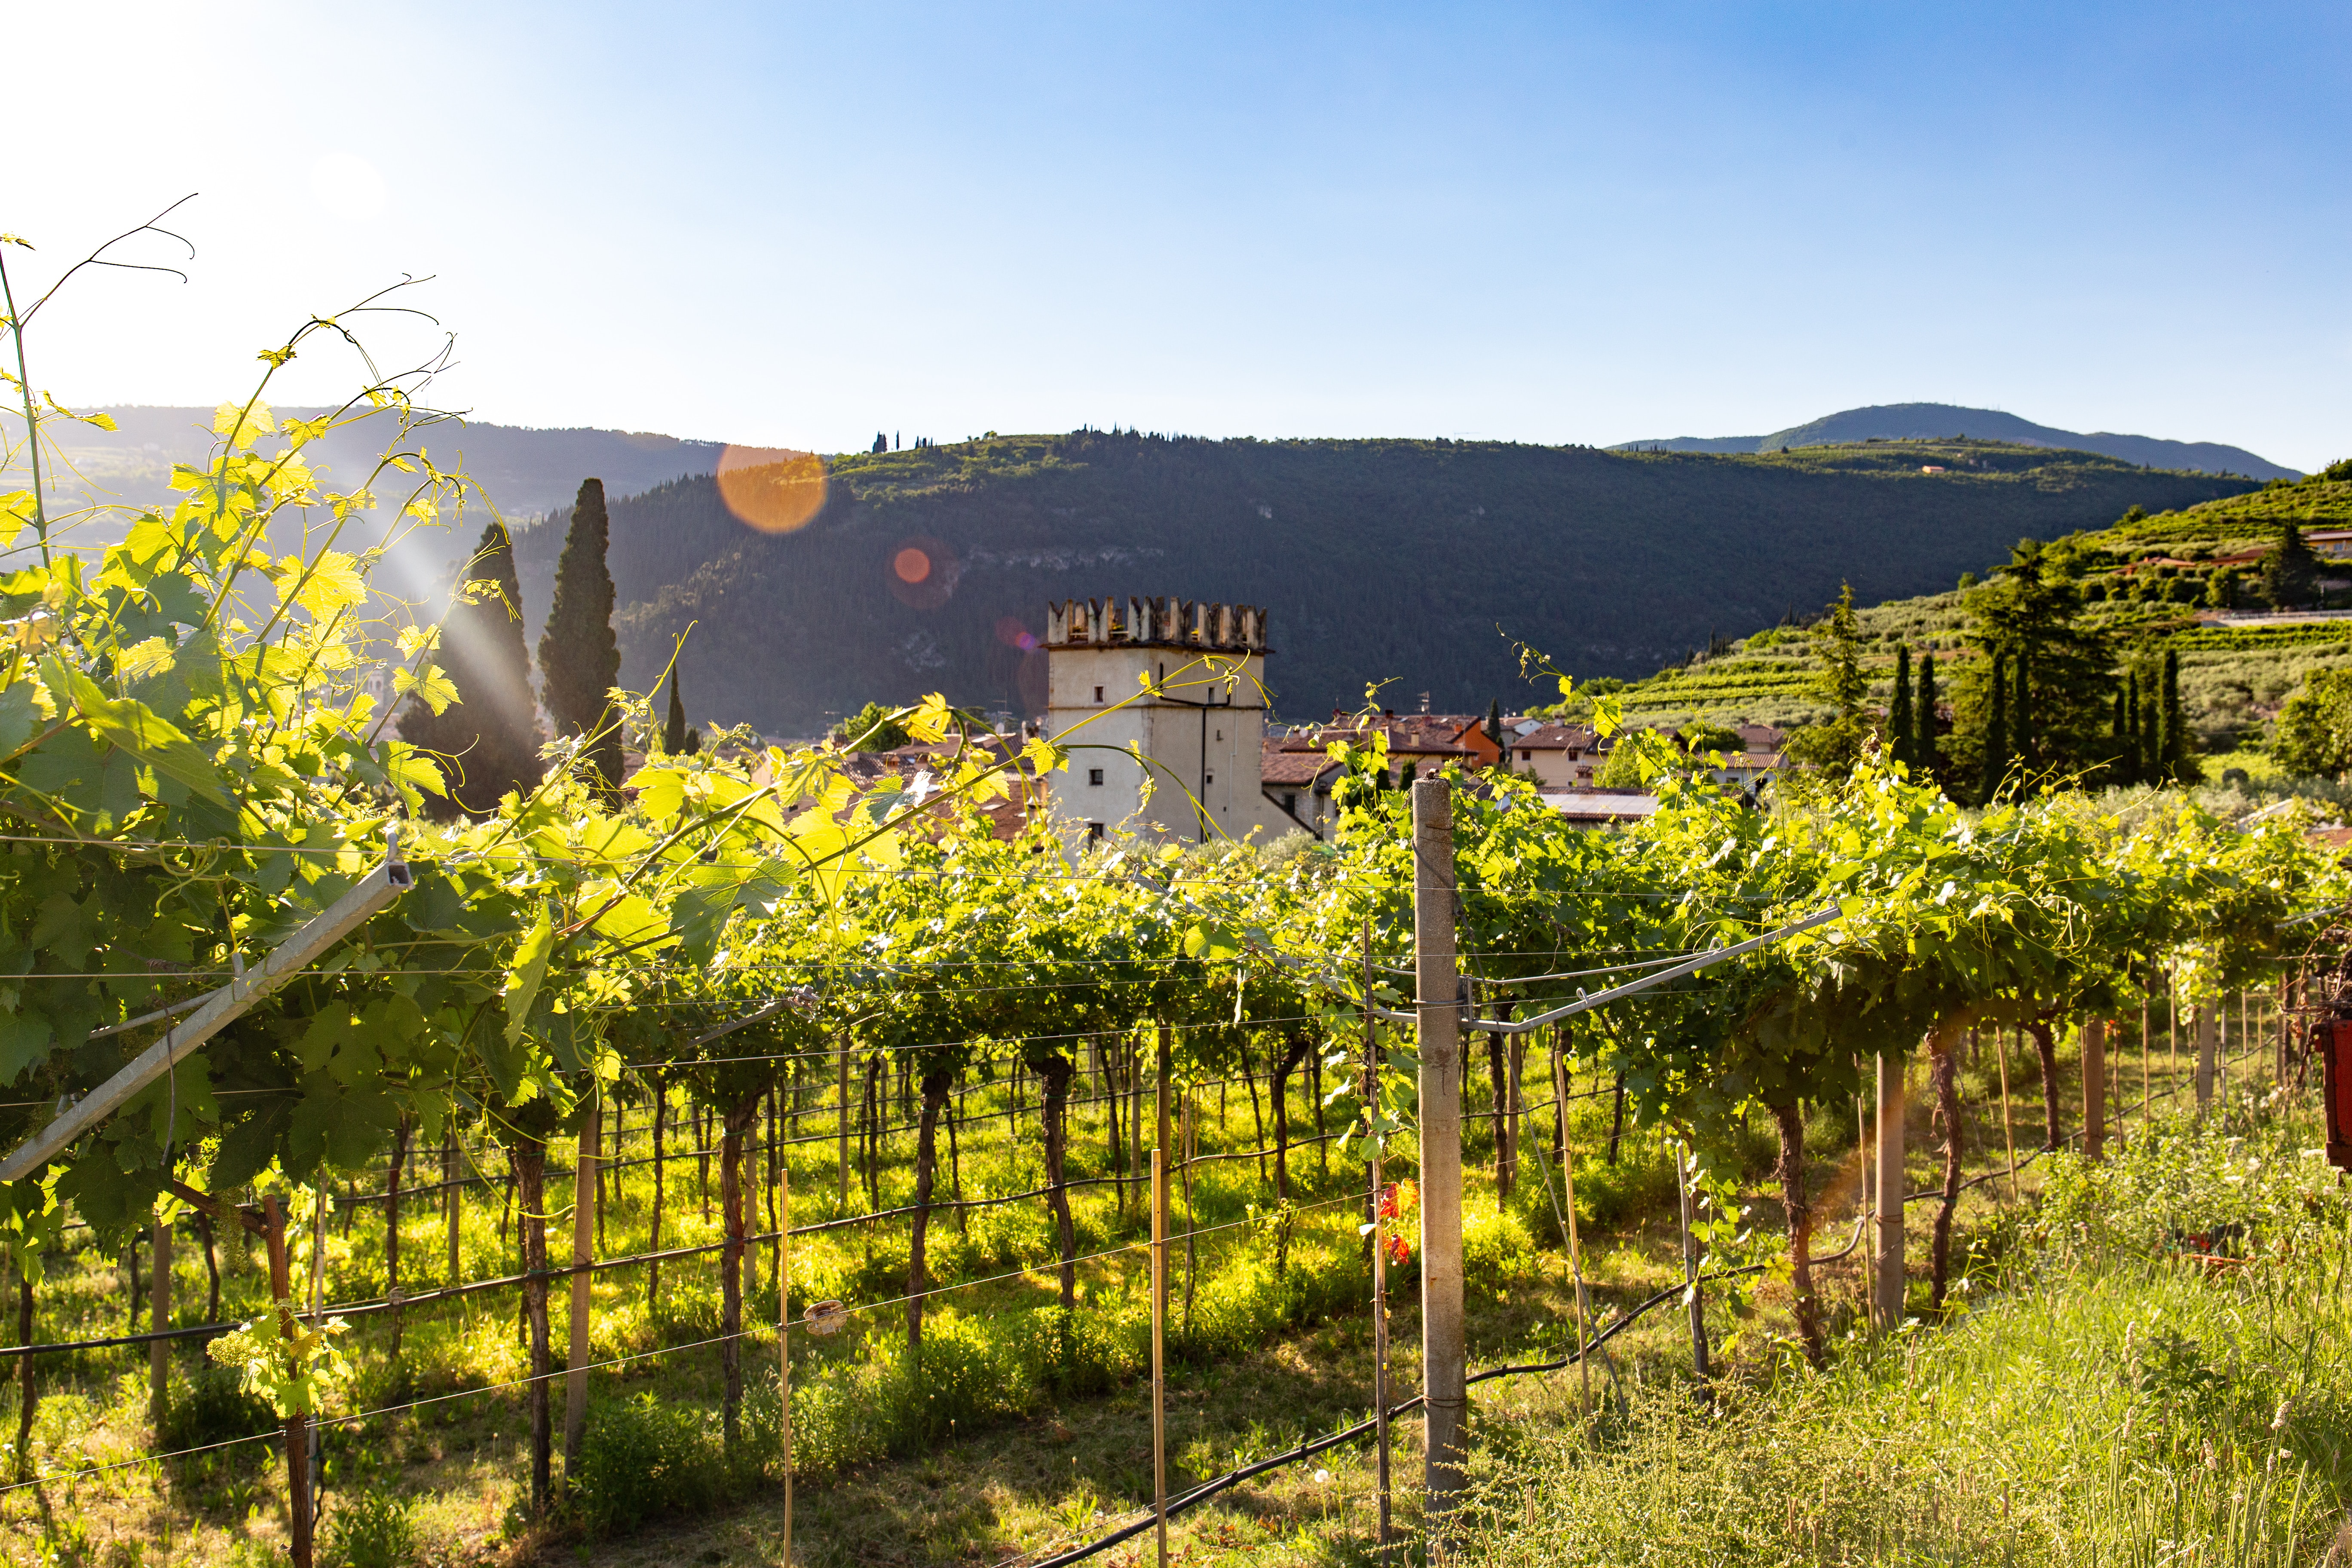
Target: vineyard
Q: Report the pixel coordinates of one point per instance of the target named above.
(385, 1186)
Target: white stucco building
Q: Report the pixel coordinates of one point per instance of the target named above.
(1171, 690)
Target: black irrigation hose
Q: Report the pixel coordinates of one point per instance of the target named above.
(474, 1286)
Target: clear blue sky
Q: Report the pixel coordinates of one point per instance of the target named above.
(797, 224)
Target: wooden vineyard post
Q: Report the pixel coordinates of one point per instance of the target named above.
(1445, 1398)
(584, 1187)
(784, 1341)
(1160, 1332)
(2094, 1089)
(1886, 1255)
(2147, 1099)
(159, 1318)
(1379, 1255)
(2008, 1127)
(1568, 1181)
(298, 1447)
(843, 1209)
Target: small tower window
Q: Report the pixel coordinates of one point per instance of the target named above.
(1098, 693)
(1094, 832)
(1093, 775)
(1210, 779)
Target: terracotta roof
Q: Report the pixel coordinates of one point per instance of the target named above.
(1281, 765)
(1556, 738)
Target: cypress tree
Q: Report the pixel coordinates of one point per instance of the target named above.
(579, 657)
(1996, 736)
(2176, 733)
(1924, 746)
(2151, 737)
(1494, 723)
(487, 738)
(674, 732)
(1900, 729)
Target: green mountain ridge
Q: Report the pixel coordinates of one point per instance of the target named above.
(1418, 563)
(1936, 421)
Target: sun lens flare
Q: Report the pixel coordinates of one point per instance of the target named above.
(771, 489)
(921, 572)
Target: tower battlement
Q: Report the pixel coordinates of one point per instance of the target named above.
(1166, 621)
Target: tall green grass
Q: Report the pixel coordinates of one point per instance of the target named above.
(2108, 1394)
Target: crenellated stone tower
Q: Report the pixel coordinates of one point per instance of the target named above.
(1182, 684)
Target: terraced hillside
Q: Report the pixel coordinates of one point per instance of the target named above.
(2149, 578)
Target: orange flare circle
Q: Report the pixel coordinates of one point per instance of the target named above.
(771, 489)
(911, 565)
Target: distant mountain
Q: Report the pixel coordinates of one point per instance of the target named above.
(1411, 562)
(1943, 421)
(525, 471)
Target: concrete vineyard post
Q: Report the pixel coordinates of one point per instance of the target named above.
(1567, 1183)
(2205, 1054)
(1695, 1302)
(317, 1315)
(1887, 1256)
(1444, 1393)
(1379, 1257)
(454, 1191)
(159, 1318)
(1159, 1332)
(2008, 1127)
(297, 1456)
(2094, 1089)
(783, 1341)
(584, 1187)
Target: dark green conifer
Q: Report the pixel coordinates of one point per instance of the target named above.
(1924, 746)
(1996, 735)
(487, 741)
(1901, 731)
(2290, 572)
(579, 657)
(2179, 747)
(674, 732)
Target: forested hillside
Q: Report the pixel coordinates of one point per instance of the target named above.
(1414, 562)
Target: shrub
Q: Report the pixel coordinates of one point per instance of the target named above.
(641, 1458)
(212, 1407)
(371, 1529)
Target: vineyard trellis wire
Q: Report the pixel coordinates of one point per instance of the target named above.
(198, 772)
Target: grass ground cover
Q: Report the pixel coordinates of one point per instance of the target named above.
(1023, 1427)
